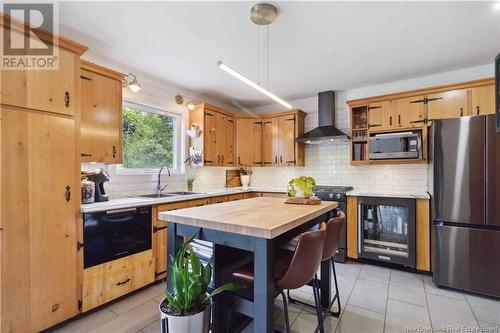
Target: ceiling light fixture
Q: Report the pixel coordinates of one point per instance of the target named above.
(132, 83)
(190, 105)
(260, 14)
(252, 84)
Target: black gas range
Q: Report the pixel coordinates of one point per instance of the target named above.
(338, 194)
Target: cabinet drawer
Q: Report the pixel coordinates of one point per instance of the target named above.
(251, 195)
(117, 281)
(171, 206)
(234, 197)
(219, 199)
(198, 202)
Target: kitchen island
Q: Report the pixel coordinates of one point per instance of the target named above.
(257, 225)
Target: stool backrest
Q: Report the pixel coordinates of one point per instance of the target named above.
(333, 233)
(306, 259)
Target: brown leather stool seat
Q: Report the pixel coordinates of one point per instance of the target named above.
(293, 270)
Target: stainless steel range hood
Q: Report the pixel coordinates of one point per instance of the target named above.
(326, 131)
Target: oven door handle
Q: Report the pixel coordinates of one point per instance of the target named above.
(121, 211)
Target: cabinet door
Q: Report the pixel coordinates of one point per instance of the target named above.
(286, 140)
(243, 143)
(221, 138)
(255, 142)
(210, 138)
(410, 112)
(448, 104)
(376, 117)
(39, 217)
(101, 121)
(228, 156)
(270, 144)
(483, 100)
(46, 90)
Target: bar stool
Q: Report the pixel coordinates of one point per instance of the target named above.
(332, 242)
(295, 269)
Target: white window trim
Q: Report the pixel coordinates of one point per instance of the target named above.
(176, 161)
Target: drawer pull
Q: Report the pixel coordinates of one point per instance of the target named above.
(123, 282)
(55, 307)
(66, 99)
(156, 229)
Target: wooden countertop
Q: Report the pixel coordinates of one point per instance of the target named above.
(259, 217)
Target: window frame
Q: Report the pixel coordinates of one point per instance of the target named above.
(176, 169)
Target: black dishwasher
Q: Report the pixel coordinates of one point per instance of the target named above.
(113, 234)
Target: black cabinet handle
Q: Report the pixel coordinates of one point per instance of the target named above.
(85, 155)
(281, 159)
(218, 158)
(477, 108)
(417, 121)
(376, 125)
(275, 159)
(67, 193)
(427, 100)
(268, 163)
(239, 161)
(390, 120)
(66, 98)
(291, 161)
(399, 119)
(208, 161)
(374, 107)
(122, 282)
(424, 100)
(461, 112)
(85, 78)
(114, 151)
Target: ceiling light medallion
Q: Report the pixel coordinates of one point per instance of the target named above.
(260, 14)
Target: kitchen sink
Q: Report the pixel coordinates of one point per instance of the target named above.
(157, 196)
(182, 193)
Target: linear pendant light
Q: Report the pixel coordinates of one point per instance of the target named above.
(252, 84)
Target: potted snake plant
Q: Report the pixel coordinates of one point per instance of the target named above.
(187, 308)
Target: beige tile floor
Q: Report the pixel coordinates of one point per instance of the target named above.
(374, 299)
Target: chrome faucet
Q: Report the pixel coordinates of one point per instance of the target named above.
(159, 188)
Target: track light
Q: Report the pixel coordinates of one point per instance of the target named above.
(133, 85)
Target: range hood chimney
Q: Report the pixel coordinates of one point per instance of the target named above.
(326, 130)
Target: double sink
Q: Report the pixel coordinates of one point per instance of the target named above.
(170, 194)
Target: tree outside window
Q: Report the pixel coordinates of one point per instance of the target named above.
(148, 139)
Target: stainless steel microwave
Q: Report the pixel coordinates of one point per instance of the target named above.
(396, 145)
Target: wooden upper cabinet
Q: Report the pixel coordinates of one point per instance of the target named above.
(45, 90)
(216, 141)
(210, 138)
(376, 116)
(448, 104)
(270, 141)
(38, 254)
(101, 121)
(256, 142)
(279, 134)
(483, 100)
(228, 156)
(286, 145)
(248, 142)
(411, 112)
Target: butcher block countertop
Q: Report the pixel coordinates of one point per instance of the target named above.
(259, 217)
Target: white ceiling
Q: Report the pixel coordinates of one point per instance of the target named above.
(314, 46)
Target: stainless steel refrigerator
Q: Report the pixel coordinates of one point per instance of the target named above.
(466, 204)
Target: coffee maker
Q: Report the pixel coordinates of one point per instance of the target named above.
(99, 177)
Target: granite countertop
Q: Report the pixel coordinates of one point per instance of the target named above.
(140, 201)
(395, 194)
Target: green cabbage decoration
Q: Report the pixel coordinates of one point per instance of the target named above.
(305, 183)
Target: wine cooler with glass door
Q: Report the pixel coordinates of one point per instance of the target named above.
(386, 229)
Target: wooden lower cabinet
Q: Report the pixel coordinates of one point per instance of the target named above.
(219, 199)
(198, 202)
(251, 195)
(103, 283)
(352, 227)
(234, 197)
(160, 238)
(423, 235)
(40, 205)
(273, 195)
